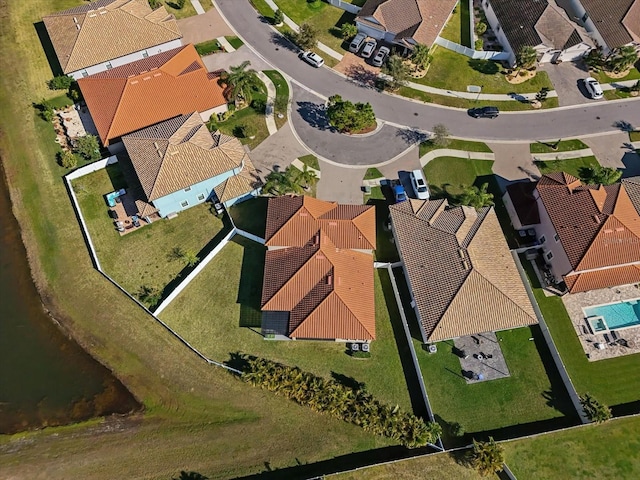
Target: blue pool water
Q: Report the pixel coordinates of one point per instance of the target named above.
(617, 315)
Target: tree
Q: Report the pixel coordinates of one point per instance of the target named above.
(282, 183)
(594, 59)
(397, 70)
(242, 82)
(456, 429)
(476, 197)
(440, 135)
(191, 476)
(179, 4)
(481, 28)
(190, 257)
(599, 175)
(348, 30)
(61, 82)
(622, 59)
(88, 148)
(420, 55)
(595, 411)
(541, 96)
(306, 177)
(349, 117)
(278, 17)
(487, 457)
(45, 110)
(526, 57)
(68, 159)
(306, 37)
(150, 295)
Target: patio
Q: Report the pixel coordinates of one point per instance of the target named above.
(481, 358)
(600, 346)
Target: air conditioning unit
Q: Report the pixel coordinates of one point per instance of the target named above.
(432, 348)
(365, 347)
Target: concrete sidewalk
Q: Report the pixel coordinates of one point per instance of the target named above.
(196, 4)
(271, 98)
(585, 152)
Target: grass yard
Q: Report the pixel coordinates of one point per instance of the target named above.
(449, 176)
(613, 381)
(602, 77)
(616, 94)
(144, 257)
(310, 161)
(250, 215)
(453, 71)
(235, 42)
(282, 93)
(634, 136)
(562, 146)
(262, 8)
(610, 450)
(457, 28)
(208, 47)
(251, 117)
(223, 303)
(375, 194)
(455, 144)
(373, 173)
(571, 166)
(187, 10)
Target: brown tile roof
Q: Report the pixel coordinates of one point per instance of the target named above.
(463, 278)
(178, 153)
(148, 91)
(608, 18)
(326, 287)
(421, 20)
(292, 221)
(107, 29)
(521, 194)
(631, 20)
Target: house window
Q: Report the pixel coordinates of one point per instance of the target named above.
(145, 54)
(109, 66)
(184, 204)
(188, 189)
(549, 255)
(556, 237)
(542, 239)
(201, 197)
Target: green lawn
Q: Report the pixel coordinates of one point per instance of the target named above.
(634, 74)
(262, 7)
(235, 41)
(634, 136)
(457, 28)
(616, 94)
(187, 10)
(453, 71)
(310, 161)
(251, 116)
(449, 176)
(219, 314)
(456, 144)
(372, 173)
(571, 166)
(208, 47)
(250, 215)
(610, 450)
(282, 92)
(613, 381)
(144, 257)
(562, 146)
(375, 194)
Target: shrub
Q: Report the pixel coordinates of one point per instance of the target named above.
(155, 4)
(487, 457)
(88, 148)
(348, 30)
(527, 57)
(68, 159)
(481, 28)
(595, 411)
(479, 44)
(61, 82)
(278, 17)
(306, 37)
(456, 429)
(45, 110)
(179, 4)
(349, 117)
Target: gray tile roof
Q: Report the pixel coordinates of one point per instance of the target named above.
(608, 15)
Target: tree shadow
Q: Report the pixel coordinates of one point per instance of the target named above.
(518, 97)
(623, 126)
(239, 361)
(411, 136)
(284, 41)
(486, 67)
(348, 382)
(315, 115)
(250, 287)
(49, 51)
(362, 75)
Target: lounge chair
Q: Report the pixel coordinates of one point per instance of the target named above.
(614, 336)
(607, 339)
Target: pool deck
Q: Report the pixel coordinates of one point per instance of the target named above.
(575, 302)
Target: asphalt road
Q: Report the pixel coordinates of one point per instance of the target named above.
(589, 119)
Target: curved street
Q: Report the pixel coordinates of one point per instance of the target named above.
(582, 120)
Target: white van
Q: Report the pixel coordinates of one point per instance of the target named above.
(419, 185)
(357, 42)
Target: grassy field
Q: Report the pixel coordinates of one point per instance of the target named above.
(148, 256)
(219, 314)
(197, 417)
(613, 381)
(562, 146)
(457, 28)
(208, 47)
(602, 77)
(310, 161)
(235, 41)
(187, 10)
(455, 144)
(282, 92)
(453, 71)
(610, 450)
(449, 176)
(372, 173)
(571, 166)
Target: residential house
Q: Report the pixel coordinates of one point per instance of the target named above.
(541, 24)
(611, 23)
(179, 164)
(589, 234)
(102, 35)
(404, 23)
(148, 91)
(461, 275)
(318, 274)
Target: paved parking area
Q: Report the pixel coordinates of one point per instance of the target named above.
(222, 61)
(513, 162)
(340, 184)
(613, 151)
(567, 81)
(200, 28)
(357, 69)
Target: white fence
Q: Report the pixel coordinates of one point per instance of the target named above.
(471, 53)
(347, 7)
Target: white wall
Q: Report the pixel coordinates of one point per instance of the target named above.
(370, 31)
(132, 57)
(497, 31)
(560, 262)
(206, 115)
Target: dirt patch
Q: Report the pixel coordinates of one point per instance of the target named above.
(520, 76)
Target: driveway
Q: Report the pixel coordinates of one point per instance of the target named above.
(513, 162)
(200, 28)
(277, 151)
(222, 61)
(339, 184)
(613, 151)
(567, 82)
(357, 69)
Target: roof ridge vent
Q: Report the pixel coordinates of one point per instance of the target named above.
(596, 218)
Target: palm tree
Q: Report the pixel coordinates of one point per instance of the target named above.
(307, 177)
(420, 55)
(487, 457)
(476, 197)
(527, 57)
(599, 175)
(595, 411)
(622, 59)
(242, 82)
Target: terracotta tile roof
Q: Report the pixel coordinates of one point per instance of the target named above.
(179, 153)
(463, 278)
(421, 20)
(239, 185)
(609, 277)
(149, 91)
(107, 29)
(292, 221)
(608, 17)
(318, 276)
(521, 195)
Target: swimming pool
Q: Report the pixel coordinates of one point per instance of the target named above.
(614, 315)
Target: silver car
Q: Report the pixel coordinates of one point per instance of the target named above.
(593, 87)
(368, 49)
(380, 57)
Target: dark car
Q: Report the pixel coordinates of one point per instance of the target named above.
(484, 112)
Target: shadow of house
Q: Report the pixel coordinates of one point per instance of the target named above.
(250, 288)
(315, 115)
(631, 162)
(47, 47)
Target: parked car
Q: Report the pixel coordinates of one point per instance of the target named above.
(484, 112)
(419, 185)
(368, 49)
(380, 57)
(357, 42)
(312, 59)
(593, 87)
(399, 193)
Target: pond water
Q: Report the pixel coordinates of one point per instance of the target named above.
(46, 379)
